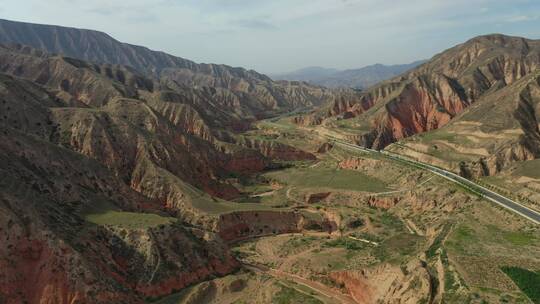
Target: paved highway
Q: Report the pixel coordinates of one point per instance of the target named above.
(494, 197)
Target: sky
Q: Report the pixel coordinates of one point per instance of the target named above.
(275, 36)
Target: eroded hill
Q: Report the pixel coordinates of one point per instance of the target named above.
(247, 94)
(430, 96)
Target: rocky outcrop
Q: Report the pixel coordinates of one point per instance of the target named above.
(383, 202)
(495, 164)
(246, 224)
(387, 284)
(121, 265)
(116, 136)
(242, 225)
(419, 108)
(182, 115)
(140, 256)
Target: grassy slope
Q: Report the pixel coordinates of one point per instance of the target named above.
(289, 295)
(529, 168)
(328, 178)
(528, 281)
(105, 213)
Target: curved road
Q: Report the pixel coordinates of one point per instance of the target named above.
(494, 197)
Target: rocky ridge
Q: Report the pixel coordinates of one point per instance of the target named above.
(248, 94)
(81, 140)
(431, 95)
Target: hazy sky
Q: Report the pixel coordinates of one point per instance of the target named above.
(282, 35)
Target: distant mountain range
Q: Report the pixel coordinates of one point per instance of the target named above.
(354, 78)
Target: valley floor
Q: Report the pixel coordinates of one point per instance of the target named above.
(395, 234)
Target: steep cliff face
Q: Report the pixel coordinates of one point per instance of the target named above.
(526, 113)
(134, 131)
(100, 141)
(99, 47)
(69, 78)
(53, 253)
(431, 95)
(489, 136)
(418, 108)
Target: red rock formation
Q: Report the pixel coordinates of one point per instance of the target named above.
(356, 285)
(241, 225)
(387, 284)
(429, 96)
(418, 109)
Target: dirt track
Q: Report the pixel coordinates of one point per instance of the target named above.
(316, 286)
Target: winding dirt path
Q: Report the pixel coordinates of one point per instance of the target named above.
(316, 286)
(289, 196)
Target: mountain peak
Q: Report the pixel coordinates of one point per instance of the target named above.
(501, 40)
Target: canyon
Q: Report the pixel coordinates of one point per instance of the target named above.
(134, 176)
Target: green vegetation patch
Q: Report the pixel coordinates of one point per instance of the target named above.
(391, 221)
(130, 220)
(529, 168)
(464, 234)
(298, 244)
(328, 178)
(105, 213)
(460, 238)
(345, 242)
(438, 242)
(517, 238)
(446, 135)
(398, 248)
(528, 281)
(353, 125)
(289, 295)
